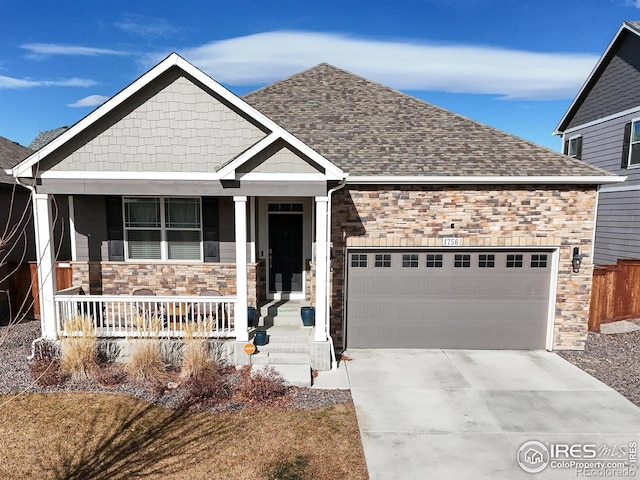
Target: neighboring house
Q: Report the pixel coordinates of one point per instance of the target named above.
(45, 137)
(403, 224)
(16, 226)
(602, 127)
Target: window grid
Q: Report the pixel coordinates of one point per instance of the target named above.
(434, 260)
(409, 260)
(359, 260)
(486, 260)
(539, 261)
(462, 260)
(514, 261)
(163, 228)
(383, 260)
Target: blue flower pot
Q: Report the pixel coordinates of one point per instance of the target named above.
(260, 338)
(308, 315)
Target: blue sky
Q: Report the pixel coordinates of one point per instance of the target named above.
(512, 64)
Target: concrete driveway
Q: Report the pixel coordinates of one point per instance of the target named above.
(445, 414)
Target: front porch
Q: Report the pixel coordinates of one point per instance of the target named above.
(290, 348)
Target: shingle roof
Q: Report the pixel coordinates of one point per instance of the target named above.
(10, 154)
(369, 129)
(45, 137)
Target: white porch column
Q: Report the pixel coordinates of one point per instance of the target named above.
(241, 322)
(46, 263)
(322, 314)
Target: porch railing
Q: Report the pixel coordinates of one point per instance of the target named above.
(144, 316)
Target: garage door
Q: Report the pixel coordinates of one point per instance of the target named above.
(489, 299)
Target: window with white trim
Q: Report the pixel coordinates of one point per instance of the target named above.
(574, 149)
(163, 228)
(634, 143)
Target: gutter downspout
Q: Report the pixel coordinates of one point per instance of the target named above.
(342, 184)
(32, 189)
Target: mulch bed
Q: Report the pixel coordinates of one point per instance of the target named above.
(614, 359)
(15, 376)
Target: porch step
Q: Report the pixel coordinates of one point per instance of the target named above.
(282, 358)
(296, 375)
(281, 313)
(287, 349)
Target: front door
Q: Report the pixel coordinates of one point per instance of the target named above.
(285, 253)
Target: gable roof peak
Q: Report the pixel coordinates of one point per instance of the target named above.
(626, 28)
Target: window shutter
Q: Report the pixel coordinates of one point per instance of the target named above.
(565, 147)
(625, 145)
(210, 229)
(115, 233)
(579, 148)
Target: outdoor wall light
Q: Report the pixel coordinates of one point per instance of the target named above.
(576, 261)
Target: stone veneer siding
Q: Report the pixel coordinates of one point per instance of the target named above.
(122, 278)
(483, 216)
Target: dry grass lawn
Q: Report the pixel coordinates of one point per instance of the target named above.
(105, 436)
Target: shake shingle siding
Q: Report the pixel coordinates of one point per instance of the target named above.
(371, 130)
(618, 87)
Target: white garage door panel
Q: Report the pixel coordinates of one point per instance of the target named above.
(448, 307)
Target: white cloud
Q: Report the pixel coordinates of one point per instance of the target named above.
(90, 101)
(11, 83)
(43, 50)
(633, 3)
(145, 27)
(510, 74)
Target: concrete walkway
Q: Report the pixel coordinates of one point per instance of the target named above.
(464, 414)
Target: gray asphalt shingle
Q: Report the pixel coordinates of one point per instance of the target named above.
(369, 129)
(10, 154)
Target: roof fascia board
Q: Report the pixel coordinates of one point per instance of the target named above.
(600, 120)
(98, 175)
(282, 177)
(23, 169)
(487, 180)
(578, 97)
(227, 172)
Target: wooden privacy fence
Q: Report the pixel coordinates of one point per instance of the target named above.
(64, 279)
(615, 293)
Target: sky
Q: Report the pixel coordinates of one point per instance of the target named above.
(512, 64)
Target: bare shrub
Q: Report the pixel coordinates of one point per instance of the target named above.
(45, 366)
(209, 387)
(110, 375)
(79, 348)
(262, 386)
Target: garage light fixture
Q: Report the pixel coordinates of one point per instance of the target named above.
(576, 261)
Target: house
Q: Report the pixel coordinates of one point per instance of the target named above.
(17, 242)
(602, 127)
(16, 227)
(403, 224)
